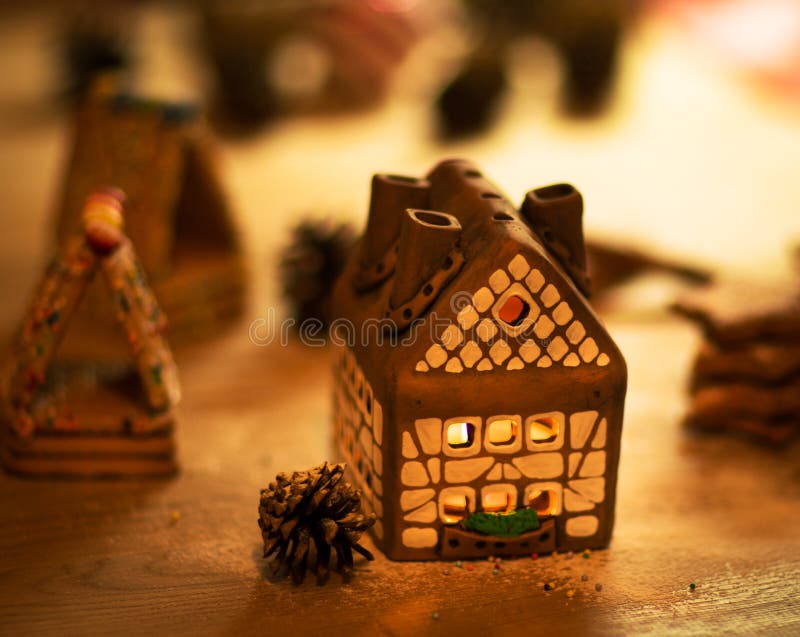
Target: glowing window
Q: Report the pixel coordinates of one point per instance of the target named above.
(514, 310)
(543, 501)
(544, 429)
(502, 432)
(460, 435)
(455, 507)
(497, 502)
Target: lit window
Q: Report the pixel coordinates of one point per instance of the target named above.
(455, 507)
(460, 435)
(502, 431)
(497, 502)
(544, 429)
(543, 501)
(514, 310)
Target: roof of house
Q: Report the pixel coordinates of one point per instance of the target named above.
(103, 247)
(448, 271)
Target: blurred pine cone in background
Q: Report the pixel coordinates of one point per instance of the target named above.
(310, 264)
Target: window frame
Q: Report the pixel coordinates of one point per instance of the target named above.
(554, 487)
(501, 487)
(516, 289)
(513, 447)
(553, 445)
(467, 492)
(463, 452)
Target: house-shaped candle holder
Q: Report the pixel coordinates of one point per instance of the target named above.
(471, 374)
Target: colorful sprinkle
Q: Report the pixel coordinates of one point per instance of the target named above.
(586, 554)
(534, 556)
(445, 571)
(495, 571)
(692, 586)
(174, 517)
(548, 586)
(570, 593)
(458, 563)
(470, 567)
(569, 555)
(435, 615)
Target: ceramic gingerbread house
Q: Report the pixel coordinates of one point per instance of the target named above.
(472, 375)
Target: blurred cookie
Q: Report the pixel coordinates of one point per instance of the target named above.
(767, 363)
(774, 432)
(746, 377)
(734, 400)
(740, 311)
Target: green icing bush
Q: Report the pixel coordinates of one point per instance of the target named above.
(503, 524)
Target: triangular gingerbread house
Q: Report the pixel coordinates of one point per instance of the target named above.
(162, 156)
(80, 415)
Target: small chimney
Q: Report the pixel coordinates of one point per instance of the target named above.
(555, 214)
(391, 196)
(427, 239)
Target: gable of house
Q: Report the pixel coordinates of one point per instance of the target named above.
(60, 292)
(520, 317)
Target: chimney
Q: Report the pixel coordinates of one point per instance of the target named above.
(555, 214)
(427, 240)
(391, 196)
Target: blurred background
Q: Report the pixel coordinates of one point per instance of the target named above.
(678, 120)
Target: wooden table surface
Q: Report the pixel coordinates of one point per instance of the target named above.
(84, 558)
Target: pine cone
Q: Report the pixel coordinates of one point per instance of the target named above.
(305, 514)
(311, 263)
